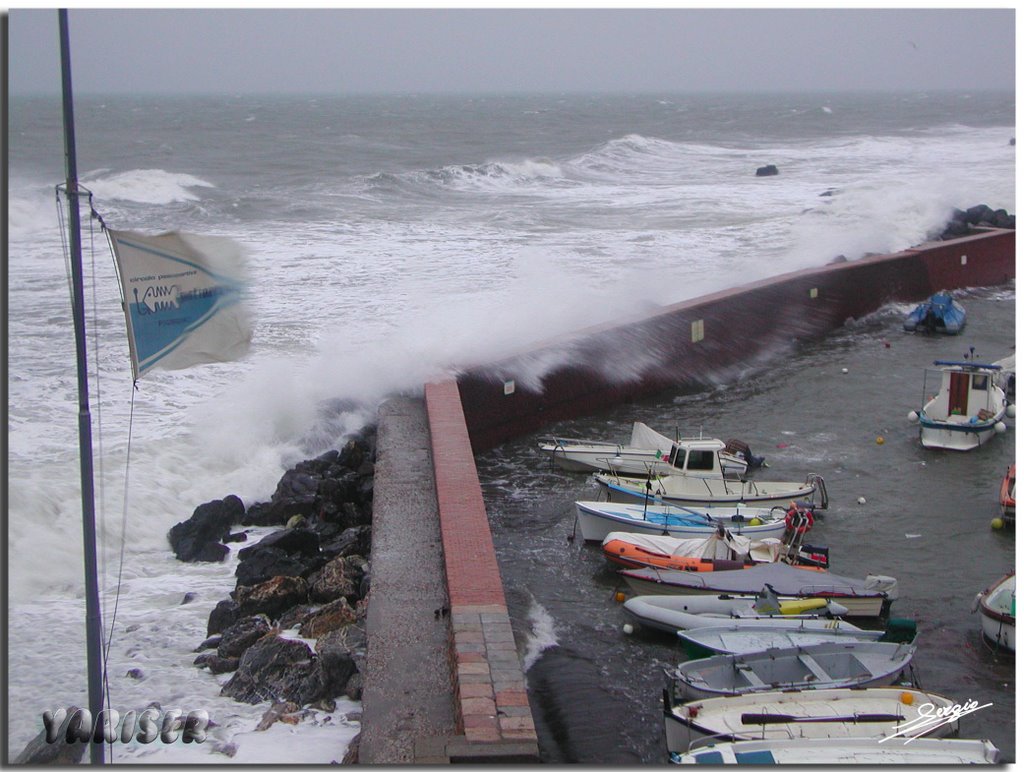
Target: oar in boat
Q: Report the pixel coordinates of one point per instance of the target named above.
(784, 718)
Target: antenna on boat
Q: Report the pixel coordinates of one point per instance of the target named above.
(93, 622)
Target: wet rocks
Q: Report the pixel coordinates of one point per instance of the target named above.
(273, 597)
(243, 634)
(767, 171)
(197, 539)
(962, 222)
(275, 668)
(336, 614)
(224, 614)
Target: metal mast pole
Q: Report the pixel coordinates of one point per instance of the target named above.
(93, 621)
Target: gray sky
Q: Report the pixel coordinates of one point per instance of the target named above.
(490, 50)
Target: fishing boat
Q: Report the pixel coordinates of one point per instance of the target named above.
(1006, 378)
(838, 714)
(671, 613)
(596, 519)
(713, 491)
(722, 550)
(998, 606)
(940, 313)
(826, 751)
(748, 636)
(819, 666)
(869, 597)
(967, 410)
(650, 452)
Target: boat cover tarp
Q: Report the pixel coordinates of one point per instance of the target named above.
(718, 546)
(645, 437)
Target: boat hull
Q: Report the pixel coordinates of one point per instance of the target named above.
(997, 605)
(750, 637)
(945, 436)
(826, 752)
(821, 666)
(718, 492)
(671, 613)
(820, 713)
(596, 519)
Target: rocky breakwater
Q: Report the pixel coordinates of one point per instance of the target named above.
(293, 630)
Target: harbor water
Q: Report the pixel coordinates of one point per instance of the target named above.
(837, 407)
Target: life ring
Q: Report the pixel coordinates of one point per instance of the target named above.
(797, 521)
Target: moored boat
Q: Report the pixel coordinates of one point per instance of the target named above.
(827, 751)
(596, 519)
(722, 550)
(998, 606)
(649, 452)
(1008, 496)
(671, 613)
(819, 666)
(940, 313)
(749, 636)
(967, 410)
(713, 491)
(863, 597)
(875, 712)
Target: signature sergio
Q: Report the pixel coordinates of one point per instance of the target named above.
(930, 717)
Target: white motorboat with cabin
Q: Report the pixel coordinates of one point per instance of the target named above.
(998, 606)
(650, 452)
(967, 410)
(838, 714)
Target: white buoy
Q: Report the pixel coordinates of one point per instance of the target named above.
(1000, 427)
(1011, 411)
(861, 500)
(845, 371)
(912, 416)
(627, 628)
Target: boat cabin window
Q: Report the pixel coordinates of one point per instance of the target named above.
(703, 460)
(979, 381)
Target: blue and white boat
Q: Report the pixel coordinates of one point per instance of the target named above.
(826, 751)
(940, 313)
(596, 519)
(967, 410)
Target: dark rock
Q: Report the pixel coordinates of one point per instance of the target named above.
(767, 171)
(189, 597)
(290, 540)
(337, 613)
(354, 540)
(978, 214)
(268, 563)
(272, 597)
(224, 614)
(233, 537)
(215, 663)
(339, 651)
(293, 617)
(210, 643)
(337, 579)
(274, 713)
(210, 522)
(243, 634)
(135, 674)
(354, 687)
(352, 751)
(275, 668)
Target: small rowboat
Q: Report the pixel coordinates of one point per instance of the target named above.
(820, 666)
(718, 491)
(998, 605)
(817, 713)
(825, 752)
(940, 313)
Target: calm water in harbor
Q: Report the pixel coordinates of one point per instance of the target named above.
(926, 521)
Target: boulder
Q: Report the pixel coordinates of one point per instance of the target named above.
(272, 597)
(224, 614)
(275, 668)
(340, 652)
(337, 579)
(215, 663)
(197, 539)
(39, 751)
(337, 613)
(268, 563)
(767, 171)
(291, 540)
(243, 634)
